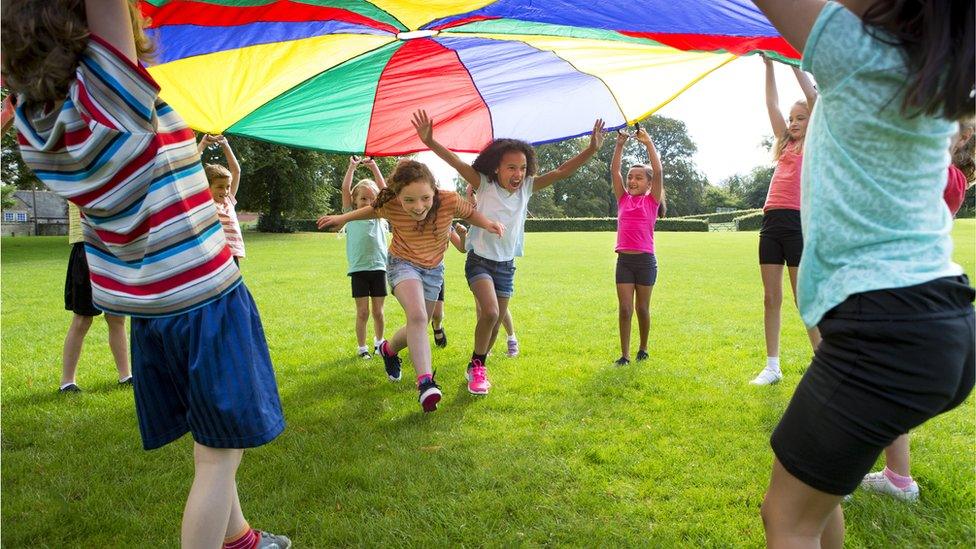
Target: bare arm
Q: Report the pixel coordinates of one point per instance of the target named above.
(232, 164)
(792, 18)
(377, 176)
(110, 21)
(657, 178)
(366, 212)
(615, 175)
(347, 183)
(204, 143)
(457, 237)
(569, 167)
(806, 85)
(425, 130)
(478, 219)
(776, 120)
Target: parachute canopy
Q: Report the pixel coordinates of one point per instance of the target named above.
(345, 75)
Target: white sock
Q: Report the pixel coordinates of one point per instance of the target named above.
(376, 343)
(512, 338)
(772, 363)
(363, 349)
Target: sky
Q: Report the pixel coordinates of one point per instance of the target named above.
(725, 114)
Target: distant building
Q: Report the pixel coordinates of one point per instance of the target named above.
(51, 215)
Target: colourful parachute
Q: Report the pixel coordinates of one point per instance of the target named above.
(345, 75)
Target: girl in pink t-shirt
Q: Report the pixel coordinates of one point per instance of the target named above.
(780, 238)
(637, 208)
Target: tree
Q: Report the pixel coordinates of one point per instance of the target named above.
(13, 171)
(7, 196)
(718, 197)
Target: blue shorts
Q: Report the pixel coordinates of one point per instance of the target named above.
(398, 270)
(501, 273)
(207, 372)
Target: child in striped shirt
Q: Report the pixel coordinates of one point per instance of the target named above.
(421, 217)
(224, 183)
(91, 125)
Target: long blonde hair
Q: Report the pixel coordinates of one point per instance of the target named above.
(785, 139)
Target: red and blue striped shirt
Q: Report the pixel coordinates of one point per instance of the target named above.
(154, 242)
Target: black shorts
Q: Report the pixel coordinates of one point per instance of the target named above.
(368, 283)
(780, 238)
(638, 269)
(889, 361)
(77, 284)
(440, 296)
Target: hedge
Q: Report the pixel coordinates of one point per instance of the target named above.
(587, 224)
(750, 222)
(724, 217)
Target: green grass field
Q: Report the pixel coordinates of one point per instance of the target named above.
(567, 450)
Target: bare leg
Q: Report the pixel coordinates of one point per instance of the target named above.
(642, 305)
(437, 315)
(625, 305)
(484, 294)
(410, 294)
(236, 523)
(73, 342)
(502, 312)
(507, 323)
(812, 333)
(119, 344)
(772, 279)
(379, 322)
(897, 456)
(362, 315)
(208, 507)
(796, 515)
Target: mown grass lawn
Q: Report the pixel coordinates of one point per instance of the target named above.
(566, 450)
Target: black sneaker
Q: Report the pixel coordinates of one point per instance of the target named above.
(622, 361)
(430, 395)
(69, 388)
(440, 338)
(641, 356)
(365, 355)
(392, 365)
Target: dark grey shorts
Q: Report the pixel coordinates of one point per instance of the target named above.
(640, 269)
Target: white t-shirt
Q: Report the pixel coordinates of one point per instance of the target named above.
(509, 209)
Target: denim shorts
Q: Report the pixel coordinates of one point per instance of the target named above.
(501, 273)
(398, 270)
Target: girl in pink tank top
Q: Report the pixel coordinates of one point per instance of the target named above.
(638, 202)
(780, 238)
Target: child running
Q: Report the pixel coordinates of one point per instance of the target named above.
(155, 250)
(437, 315)
(224, 183)
(780, 237)
(366, 252)
(877, 277)
(638, 204)
(420, 215)
(503, 175)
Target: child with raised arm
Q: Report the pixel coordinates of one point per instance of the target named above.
(224, 183)
(366, 252)
(504, 177)
(421, 216)
(638, 204)
(877, 277)
(780, 238)
(156, 250)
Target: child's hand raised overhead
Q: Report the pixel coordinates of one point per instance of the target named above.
(643, 137)
(596, 137)
(622, 137)
(424, 126)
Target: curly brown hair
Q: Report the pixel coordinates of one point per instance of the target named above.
(42, 42)
(407, 172)
(490, 157)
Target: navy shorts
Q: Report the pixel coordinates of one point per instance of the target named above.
(781, 238)
(501, 273)
(889, 361)
(368, 283)
(640, 269)
(207, 372)
(77, 283)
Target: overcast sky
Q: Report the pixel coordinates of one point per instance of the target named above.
(726, 117)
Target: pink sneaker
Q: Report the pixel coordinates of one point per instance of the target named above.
(478, 383)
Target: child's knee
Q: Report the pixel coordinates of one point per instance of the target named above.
(417, 318)
(81, 322)
(115, 321)
(626, 311)
(362, 314)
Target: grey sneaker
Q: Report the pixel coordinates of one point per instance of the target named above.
(878, 482)
(513, 348)
(267, 540)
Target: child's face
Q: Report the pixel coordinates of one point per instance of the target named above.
(364, 197)
(799, 116)
(417, 198)
(637, 181)
(219, 189)
(511, 170)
